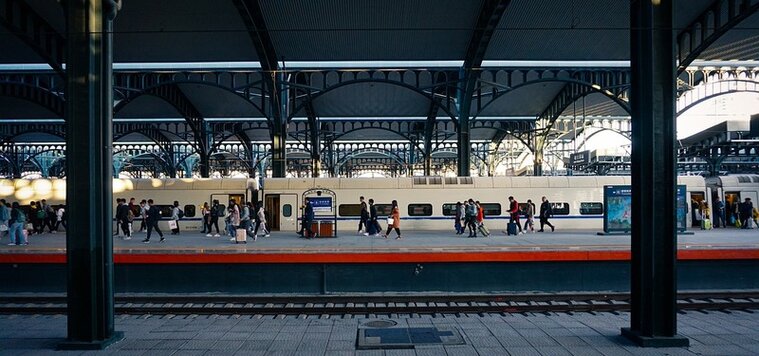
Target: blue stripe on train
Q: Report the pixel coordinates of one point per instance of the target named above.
(561, 217)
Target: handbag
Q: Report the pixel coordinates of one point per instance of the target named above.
(172, 224)
(3, 228)
(390, 220)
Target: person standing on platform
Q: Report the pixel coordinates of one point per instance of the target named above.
(746, 210)
(133, 211)
(396, 221)
(514, 213)
(5, 217)
(372, 225)
(364, 218)
(37, 215)
(719, 213)
(153, 215)
(122, 218)
(308, 218)
(545, 213)
(60, 217)
(459, 215)
(480, 213)
(216, 212)
(17, 221)
(143, 215)
(470, 216)
(176, 214)
(529, 218)
(205, 213)
(233, 219)
(247, 208)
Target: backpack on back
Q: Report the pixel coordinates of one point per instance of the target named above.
(41, 214)
(181, 213)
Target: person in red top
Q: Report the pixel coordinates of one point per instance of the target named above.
(480, 213)
(514, 211)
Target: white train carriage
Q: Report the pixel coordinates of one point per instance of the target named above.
(190, 193)
(427, 203)
(733, 189)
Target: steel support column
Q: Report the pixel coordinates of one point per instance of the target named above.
(653, 321)
(89, 104)
(279, 128)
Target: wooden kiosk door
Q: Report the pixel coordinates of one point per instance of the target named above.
(283, 212)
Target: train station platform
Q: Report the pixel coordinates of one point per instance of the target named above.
(564, 260)
(588, 334)
(430, 246)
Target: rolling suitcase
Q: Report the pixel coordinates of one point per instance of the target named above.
(511, 229)
(706, 224)
(241, 236)
(483, 230)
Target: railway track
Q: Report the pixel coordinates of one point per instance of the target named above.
(377, 304)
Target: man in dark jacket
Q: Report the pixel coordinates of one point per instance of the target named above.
(545, 213)
(364, 218)
(154, 215)
(514, 213)
(745, 210)
(308, 218)
(122, 218)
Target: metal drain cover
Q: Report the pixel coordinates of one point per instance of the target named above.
(407, 338)
(380, 324)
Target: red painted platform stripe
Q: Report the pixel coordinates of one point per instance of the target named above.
(415, 257)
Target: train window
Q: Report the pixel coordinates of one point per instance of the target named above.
(560, 208)
(491, 209)
(349, 209)
(189, 211)
(287, 210)
(165, 210)
(420, 209)
(449, 209)
(384, 209)
(591, 208)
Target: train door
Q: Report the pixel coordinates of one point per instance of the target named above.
(283, 209)
(696, 202)
(225, 198)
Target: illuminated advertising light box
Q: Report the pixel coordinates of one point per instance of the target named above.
(618, 208)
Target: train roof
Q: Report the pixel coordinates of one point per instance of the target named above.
(457, 182)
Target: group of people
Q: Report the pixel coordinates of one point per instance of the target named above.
(369, 225)
(738, 214)
(471, 214)
(248, 216)
(148, 213)
(18, 223)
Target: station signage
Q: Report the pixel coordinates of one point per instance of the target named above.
(321, 203)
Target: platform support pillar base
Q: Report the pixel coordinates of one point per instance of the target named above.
(655, 341)
(92, 345)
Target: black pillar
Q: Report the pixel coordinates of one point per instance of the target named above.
(653, 320)
(464, 142)
(89, 106)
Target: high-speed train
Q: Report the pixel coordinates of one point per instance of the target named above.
(426, 203)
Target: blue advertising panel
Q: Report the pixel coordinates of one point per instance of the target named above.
(618, 208)
(321, 203)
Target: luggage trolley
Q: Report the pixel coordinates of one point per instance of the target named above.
(324, 202)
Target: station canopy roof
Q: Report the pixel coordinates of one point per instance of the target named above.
(170, 34)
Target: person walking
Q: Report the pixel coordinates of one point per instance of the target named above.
(60, 217)
(49, 219)
(545, 213)
(470, 217)
(308, 218)
(459, 215)
(143, 215)
(746, 210)
(37, 217)
(260, 220)
(514, 213)
(176, 214)
(5, 217)
(396, 221)
(16, 229)
(153, 215)
(529, 219)
(122, 218)
(233, 219)
(245, 222)
(205, 213)
(719, 213)
(133, 211)
(364, 217)
(372, 227)
(216, 212)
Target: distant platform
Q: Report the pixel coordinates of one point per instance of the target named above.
(416, 246)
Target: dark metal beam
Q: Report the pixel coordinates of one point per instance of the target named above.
(653, 319)
(314, 139)
(21, 20)
(709, 26)
(173, 95)
(34, 94)
(89, 109)
(487, 21)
